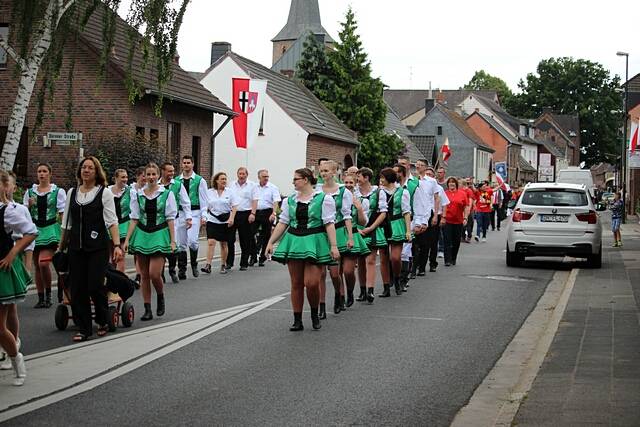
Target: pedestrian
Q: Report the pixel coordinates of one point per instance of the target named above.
(14, 277)
(373, 232)
(399, 224)
(483, 211)
(497, 199)
(268, 202)
(455, 219)
(153, 212)
(46, 202)
(429, 251)
(90, 211)
(617, 211)
(467, 230)
(308, 243)
(135, 188)
(122, 200)
(246, 195)
(188, 229)
(220, 216)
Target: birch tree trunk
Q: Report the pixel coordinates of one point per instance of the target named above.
(28, 75)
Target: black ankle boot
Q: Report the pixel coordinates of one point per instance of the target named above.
(363, 294)
(336, 304)
(405, 273)
(297, 323)
(315, 319)
(350, 299)
(397, 286)
(370, 296)
(148, 315)
(323, 311)
(342, 304)
(47, 298)
(206, 269)
(160, 307)
(386, 293)
(194, 262)
(40, 303)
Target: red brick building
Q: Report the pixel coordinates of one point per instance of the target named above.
(103, 111)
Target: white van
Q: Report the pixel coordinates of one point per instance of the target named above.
(575, 175)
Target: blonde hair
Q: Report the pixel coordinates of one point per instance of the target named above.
(4, 181)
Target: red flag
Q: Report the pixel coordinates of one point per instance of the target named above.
(501, 182)
(446, 151)
(240, 105)
(633, 144)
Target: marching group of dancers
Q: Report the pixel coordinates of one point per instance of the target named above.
(340, 223)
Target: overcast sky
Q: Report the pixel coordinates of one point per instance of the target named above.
(413, 42)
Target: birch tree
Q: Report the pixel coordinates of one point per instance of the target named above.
(40, 29)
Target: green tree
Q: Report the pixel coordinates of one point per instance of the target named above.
(314, 70)
(42, 28)
(570, 86)
(482, 80)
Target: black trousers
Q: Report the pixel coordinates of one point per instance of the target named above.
(418, 247)
(452, 237)
(87, 271)
(263, 227)
(231, 245)
(245, 235)
(431, 252)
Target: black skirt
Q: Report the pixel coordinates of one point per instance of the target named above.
(219, 232)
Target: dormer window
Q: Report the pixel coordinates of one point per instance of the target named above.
(532, 133)
(523, 130)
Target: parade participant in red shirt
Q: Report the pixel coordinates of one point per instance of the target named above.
(454, 220)
(483, 211)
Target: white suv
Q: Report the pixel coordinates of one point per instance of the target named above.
(554, 219)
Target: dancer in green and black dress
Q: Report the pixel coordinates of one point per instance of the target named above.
(153, 211)
(308, 243)
(122, 199)
(46, 202)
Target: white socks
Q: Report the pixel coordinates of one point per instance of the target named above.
(19, 368)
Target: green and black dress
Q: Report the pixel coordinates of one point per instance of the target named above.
(123, 210)
(306, 238)
(151, 236)
(45, 215)
(14, 219)
(399, 205)
(377, 206)
(344, 208)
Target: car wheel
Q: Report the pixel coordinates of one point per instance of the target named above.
(595, 261)
(513, 259)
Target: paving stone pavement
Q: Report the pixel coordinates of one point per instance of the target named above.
(591, 374)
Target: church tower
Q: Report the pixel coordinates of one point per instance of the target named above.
(304, 17)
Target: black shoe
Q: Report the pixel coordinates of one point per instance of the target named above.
(47, 299)
(432, 269)
(363, 295)
(252, 261)
(323, 311)
(40, 303)
(342, 305)
(160, 308)
(453, 262)
(297, 323)
(386, 293)
(350, 299)
(148, 315)
(182, 275)
(261, 264)
(397, 286)
(206, 269)
(370, 296)
(315, 319)
(447, 264)
(336, 305)
(412, 275)
(194, 270)
(243, 268)
(174, 277)
(421, 273)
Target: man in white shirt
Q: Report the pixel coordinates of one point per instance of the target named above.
(246, 194)
(431, 190)
(268, 201)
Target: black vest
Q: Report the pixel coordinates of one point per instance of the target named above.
(6, 242)
(88, 231)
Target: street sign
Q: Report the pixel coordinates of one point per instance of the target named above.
(545, 173)
(501, 168)
(545, 159)
(62, 138)
(633, 162)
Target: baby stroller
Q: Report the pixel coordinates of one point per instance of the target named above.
(120, 289)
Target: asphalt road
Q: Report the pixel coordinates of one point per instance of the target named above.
(409, 360)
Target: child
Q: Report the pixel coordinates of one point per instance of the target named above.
(617, 209)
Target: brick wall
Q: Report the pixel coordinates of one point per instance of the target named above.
(318, 147)
(489, 136)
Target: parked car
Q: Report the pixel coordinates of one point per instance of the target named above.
(575, 175)
(554, 219)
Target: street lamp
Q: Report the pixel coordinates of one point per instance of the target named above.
(623, 159)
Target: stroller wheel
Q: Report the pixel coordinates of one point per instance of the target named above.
(127, 315)
(62, 317)
(113, 318)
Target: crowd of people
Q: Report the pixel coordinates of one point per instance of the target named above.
(405, 217)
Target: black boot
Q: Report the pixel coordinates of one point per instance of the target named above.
(405, 274)
(323, 311)
(182, 265)
(206, 269)
(397, 285)
(386, 293)
(363, 294)
(350, 298)
(40, 303)
(297, 323)
(342, 304)
(336, 304)
(370, 296)
(172, 268)
(148, 315)
(413, 268)
(194, 262)
(315, 319)
(160, 307)
(47, 298)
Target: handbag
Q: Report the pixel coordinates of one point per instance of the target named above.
(60, 259)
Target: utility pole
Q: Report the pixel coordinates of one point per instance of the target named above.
(623, 158)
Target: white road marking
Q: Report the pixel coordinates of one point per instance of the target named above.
(65, 372)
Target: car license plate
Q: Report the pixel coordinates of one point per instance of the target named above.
(554, 218)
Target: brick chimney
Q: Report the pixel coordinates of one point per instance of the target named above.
(219, 49)
(440, 97)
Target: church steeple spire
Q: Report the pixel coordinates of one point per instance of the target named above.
(304, 16)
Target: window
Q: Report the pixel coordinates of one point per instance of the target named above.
(154, 135)
(4, 33)
(173, 140)
(439, 130)
(20, 165)
(195, 152)
(140, 132)
(554, 197)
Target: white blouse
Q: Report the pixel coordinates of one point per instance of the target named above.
(406, 200)
(382, 201)
(17, 220)
(347, 202)
(61, 200)
(219, 204)
(328, 208)
(108, 210)
(170, 208)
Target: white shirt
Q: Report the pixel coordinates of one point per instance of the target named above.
(245, 194)
(421, 211)
(444, 200)
(219, 204)
(328, 208)
(61, 200)
(382, 200)
(108, 206)
(202, 194)
(170, 208)
(365, 209)
(267, 196)
(347, 202)
(18, 223)
(431, 188)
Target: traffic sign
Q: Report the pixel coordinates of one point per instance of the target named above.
(501, 168)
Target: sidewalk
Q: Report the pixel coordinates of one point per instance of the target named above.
(591, 374)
